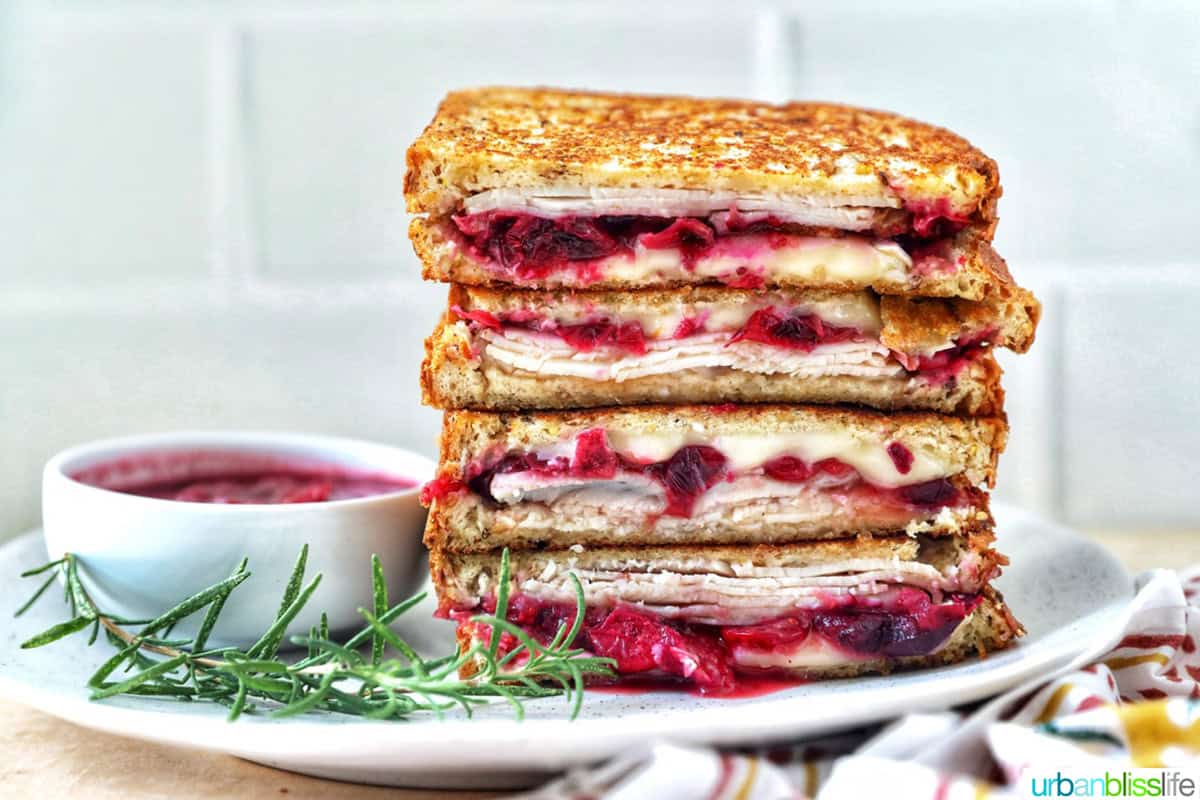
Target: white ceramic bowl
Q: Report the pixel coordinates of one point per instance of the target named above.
(142, 555)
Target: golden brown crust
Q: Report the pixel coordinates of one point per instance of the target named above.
(915, 324)
(979, 273)
(532, 138)
(453, 376)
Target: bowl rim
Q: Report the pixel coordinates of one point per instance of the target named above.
(341, 449)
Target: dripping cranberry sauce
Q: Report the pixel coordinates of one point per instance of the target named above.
(705, 656)
(694, 469)
(530, 247)
(789, 329)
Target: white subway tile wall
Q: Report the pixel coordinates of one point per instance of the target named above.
(1130, 446)
(202, 223)
(104, 156)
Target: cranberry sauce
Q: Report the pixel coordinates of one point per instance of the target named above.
(694, 469)
(945, 365)
(236, 478)
(790, 329)
(529, 247)
(592, 334)
(440, 488)
(534, 247)
(704, 655)
(935, 218)
(685, 476)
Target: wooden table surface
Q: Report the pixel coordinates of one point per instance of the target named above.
(41, 756)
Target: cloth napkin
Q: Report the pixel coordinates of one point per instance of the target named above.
(1129, 701)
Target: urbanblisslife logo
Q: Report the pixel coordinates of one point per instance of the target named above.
(1128, 783)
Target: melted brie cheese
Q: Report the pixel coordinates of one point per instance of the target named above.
(858, 310)
(807, 259)
(812, 653)
(748, 451)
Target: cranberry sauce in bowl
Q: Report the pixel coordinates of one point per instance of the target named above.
(237, 478)
(156, 518)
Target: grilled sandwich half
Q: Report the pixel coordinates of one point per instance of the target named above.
(544, 188)
(677, 475)
(714, 615)
(509, 350)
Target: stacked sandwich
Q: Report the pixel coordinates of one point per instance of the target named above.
(730, 364)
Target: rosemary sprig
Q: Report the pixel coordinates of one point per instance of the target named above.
(390, 681)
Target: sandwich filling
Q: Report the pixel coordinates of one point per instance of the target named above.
(859, 214)
(780, 478)
(706, 620)
(761, 335)
(729, 247)
(878, 214)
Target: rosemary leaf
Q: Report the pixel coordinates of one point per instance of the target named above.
(56, 632)
(36, 595)
(215, 609)
(501, 601)
(79, 597)
(292, 590)
(160, 668)
(163, 690)
(363, 635)
(328, 649)
(268, 644)
(29, 573)
(310, 700)
(380, 595)
(239, 702)
(258, 665)
(193, 604)
(332, 677)
(385, 634)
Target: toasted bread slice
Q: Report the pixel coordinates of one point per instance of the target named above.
(484, 498)
(963, 266)
(701, 591)
(458, 373)
(547, 139)
(510, 362)
(468, 523)
(722, 584)
(967, 446)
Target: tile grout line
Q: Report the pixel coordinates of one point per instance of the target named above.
(221, 157)
(248, 241)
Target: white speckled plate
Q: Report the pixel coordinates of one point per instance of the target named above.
(1065, 589)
